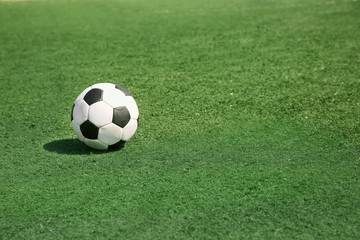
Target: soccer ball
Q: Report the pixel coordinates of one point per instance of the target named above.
(104, 116)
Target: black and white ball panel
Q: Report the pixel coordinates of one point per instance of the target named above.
(130, 129)
(77, 131)
(89, 130)
(100, 114)
(93, 96)
(131, 105)
(80, 112)
(72, 112)
(82, 94)
(114, 99)
(105, 116)
(110, 134)
(111, 96)
(121, 116)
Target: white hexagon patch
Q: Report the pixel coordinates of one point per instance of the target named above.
(132, 107)
(100, 114)
(130, 129)
(114, 97)
(110, 134)
(80, 112)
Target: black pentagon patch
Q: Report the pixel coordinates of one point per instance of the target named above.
(123, 90)
(93, 96)
(121, 116)
(72, 112)
(117, 145)
(89, 130)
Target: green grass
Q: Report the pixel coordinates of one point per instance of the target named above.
(249, 119)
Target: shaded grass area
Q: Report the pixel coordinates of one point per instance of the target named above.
(249, 119)
(259, 182)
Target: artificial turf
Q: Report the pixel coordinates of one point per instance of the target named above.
(249, 119)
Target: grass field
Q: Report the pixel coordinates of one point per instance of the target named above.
(249, 119)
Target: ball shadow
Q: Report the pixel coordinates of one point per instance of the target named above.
(70, 146)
